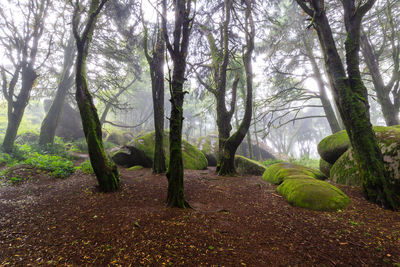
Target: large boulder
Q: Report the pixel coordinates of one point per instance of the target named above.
(70, 125)
(245, 166)
(278, 172)
(313, 194)
(325, 167)
(118, 138)
(193, 158)
(333, 146)
(345, 169)
(129, 156)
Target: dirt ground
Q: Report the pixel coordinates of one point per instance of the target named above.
(234, 221)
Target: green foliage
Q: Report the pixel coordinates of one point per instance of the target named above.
(86, 167)
(313, 194)
(55, 165)
(6, 159)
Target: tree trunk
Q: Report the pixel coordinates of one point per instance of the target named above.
(106, 171)
(16, 108)
(352, 99)
(389, 111)
(326, 104)
(178, 51)
(227, 166)
(156, 64)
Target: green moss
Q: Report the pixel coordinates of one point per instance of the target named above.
(193, 158)
(244, 165)
(345, 170)
(325, 167)
(313, 194)
(278, 172)
(135, 168)
(332, 147)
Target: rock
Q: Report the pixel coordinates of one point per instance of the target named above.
(129, 156)
(313, 194)
(135, 168)
(345, 170)
(193, 158)
(70, 125)
(211, 159)
(118, 138)
(247, 166)
(332, 147)
(27, 138)
(278, 172)
(325, 167)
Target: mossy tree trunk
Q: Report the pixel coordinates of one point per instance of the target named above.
(156, 63)
(227, 166)
(54, 114)
(24, 62)
(220, 61)
(351, 96)
(178, 51)
(105, 170)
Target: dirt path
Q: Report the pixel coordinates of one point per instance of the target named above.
(235, 221)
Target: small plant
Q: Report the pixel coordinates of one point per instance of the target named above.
(15, 180)
(86, 167)
(56, 165)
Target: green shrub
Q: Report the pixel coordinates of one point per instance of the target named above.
(56, 165)
(86, 167)
(6, 159)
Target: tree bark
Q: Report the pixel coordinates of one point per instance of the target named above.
(54, 114)
(351, 97)
(156, 63)
(389, 111)
(178, 52)
(106, 171)
(227, 165)
(326, 104)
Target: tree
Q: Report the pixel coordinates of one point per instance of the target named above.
(227, 166)
(22, 45)
(66, 79)
(374, 57)
(106, 171)
(351, 95)
(178, 51)
(156, 64)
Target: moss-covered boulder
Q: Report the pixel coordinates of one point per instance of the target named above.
(211, 159)
(135, 168)
(325, 167)
(345, 170)
(332, 147)
(118, 138)
(245, 166)
(129, 156)
(278, 172)
(27, 138)
(313, 194)
(193, 158)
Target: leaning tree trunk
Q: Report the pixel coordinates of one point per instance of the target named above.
(16, 108)
(106, 171)
(227, 166)
(54, 114)
(352, 99)
(389, 111)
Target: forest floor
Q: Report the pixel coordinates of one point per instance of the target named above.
(234, 221)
